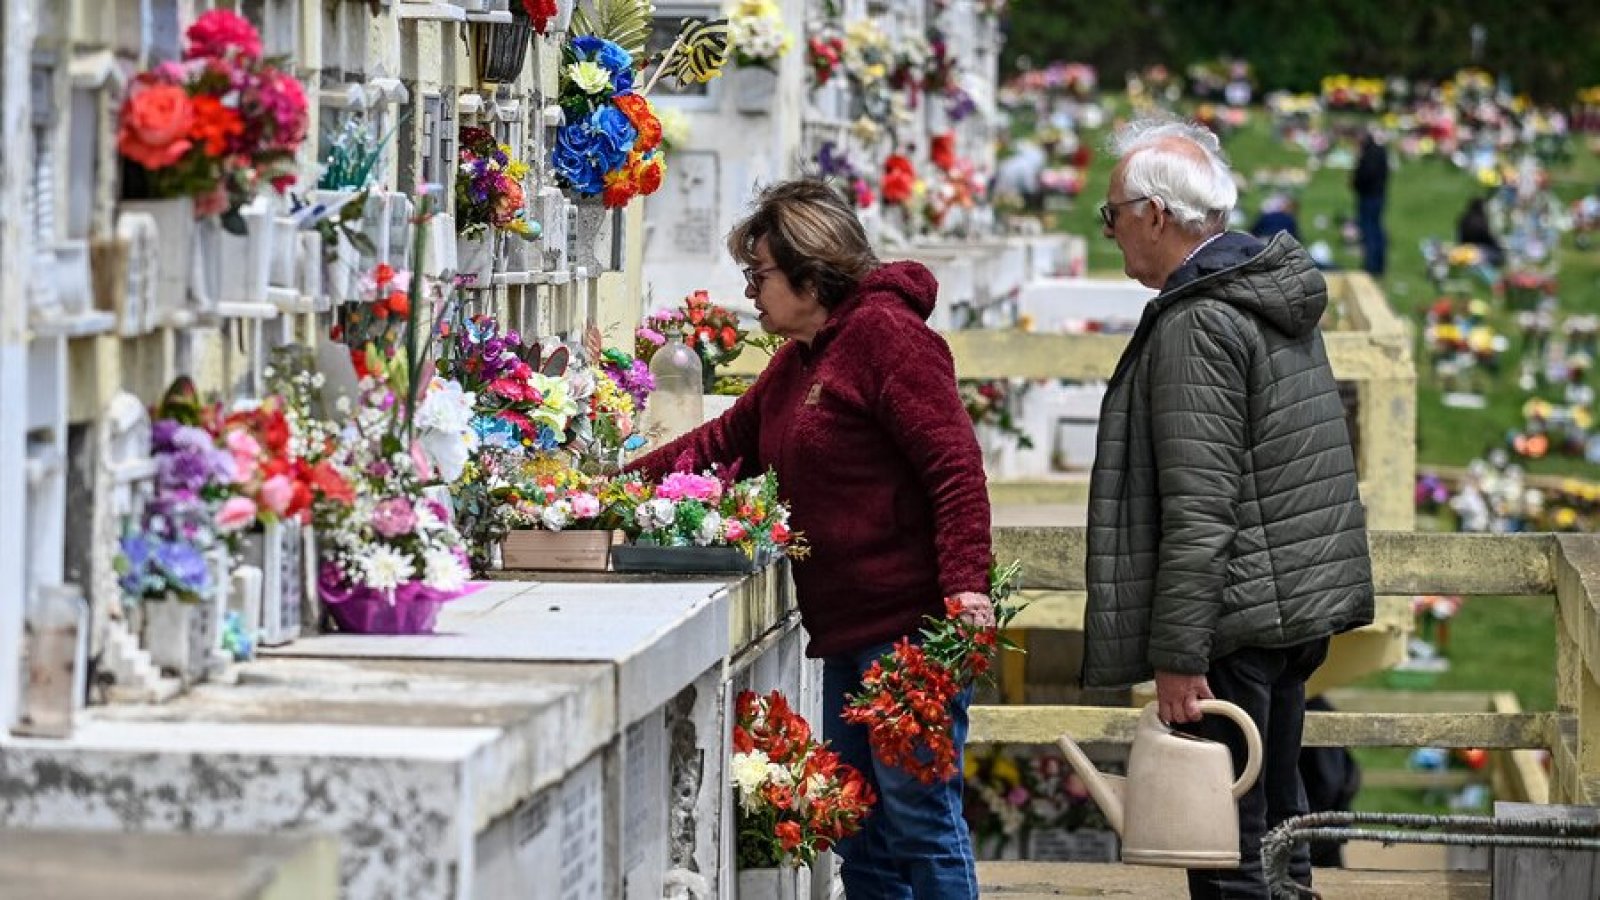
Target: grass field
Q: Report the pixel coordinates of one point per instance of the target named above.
(1496, 643)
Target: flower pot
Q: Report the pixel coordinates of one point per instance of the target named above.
(475, 259)
(174, 221)
(755, 90)
(412, 608)
(179, 635)
(685, 560)
(241, 269)
(502, 48)
(591, 245)
(568, 551)
(782, 883)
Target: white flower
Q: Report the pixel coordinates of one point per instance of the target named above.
(779, 775)
(426, 519)
(816, 786)
(658, 513)
(710, 529)
(385, 568)
(446, 572)
(556, 516)
(748, 771)
(444, 427)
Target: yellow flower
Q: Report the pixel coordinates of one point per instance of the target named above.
(589, 76)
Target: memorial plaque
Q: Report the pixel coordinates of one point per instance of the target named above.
(583, 834)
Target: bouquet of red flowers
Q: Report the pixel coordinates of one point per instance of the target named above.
(795, 798)
(905, 695)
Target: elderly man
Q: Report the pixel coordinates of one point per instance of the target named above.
(1227, 542)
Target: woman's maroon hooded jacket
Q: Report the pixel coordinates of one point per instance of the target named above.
(876, 456)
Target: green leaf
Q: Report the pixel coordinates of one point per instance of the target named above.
(626, 23)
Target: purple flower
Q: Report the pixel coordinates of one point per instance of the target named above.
(161, 433)
(394, 517)
(181, 470)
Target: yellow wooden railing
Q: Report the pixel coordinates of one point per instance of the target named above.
(1404, 564)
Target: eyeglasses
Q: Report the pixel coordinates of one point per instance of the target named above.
(755, 277)
(1108, 210)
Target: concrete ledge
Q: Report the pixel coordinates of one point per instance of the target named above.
(78, 865)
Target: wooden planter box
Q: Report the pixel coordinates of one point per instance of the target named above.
(684, 560)
(562, 551)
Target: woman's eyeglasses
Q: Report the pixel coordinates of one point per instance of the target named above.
(1108, 210)
(754, 277)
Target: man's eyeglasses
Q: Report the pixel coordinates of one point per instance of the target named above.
(1108, 210)
(754, 277)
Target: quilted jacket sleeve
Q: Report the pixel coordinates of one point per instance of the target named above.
(1199, 429)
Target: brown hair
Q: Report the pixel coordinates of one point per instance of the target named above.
(813, 235)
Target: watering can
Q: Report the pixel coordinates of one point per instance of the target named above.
(1178, 805)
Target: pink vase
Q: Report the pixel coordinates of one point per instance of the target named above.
(357, 609)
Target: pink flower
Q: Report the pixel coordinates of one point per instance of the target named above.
(277, 493)
(236, 513)
(1017, 796)
(394, 517)
(284, 100)
(689, 486)
(246, 452)
(734, 530)
(218, 32)
(585, 506)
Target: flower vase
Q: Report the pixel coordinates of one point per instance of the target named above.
(174, 221)
(590, 248)
(475, 259)
(411, 608)
(782, 883)
(755, 90)
(503, 48)
(179, 635)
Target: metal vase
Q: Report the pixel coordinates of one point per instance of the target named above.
(502, 49)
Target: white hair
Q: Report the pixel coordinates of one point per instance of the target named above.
(1200, 195)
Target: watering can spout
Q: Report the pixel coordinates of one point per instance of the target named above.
(1107, 790)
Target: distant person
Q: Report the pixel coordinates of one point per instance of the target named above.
(1473, 228)
(1018, 175)
(1277, 214)
(1370, 182)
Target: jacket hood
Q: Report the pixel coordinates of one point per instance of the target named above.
(1278, 281)
(906, 284)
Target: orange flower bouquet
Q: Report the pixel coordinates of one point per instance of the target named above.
(796, 799)
(905, 696)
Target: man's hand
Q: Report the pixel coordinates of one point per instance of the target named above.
(975, 608)
(1178, 697)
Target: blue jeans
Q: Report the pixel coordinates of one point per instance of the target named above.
(914, 845)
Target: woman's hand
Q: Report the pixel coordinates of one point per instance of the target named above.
(975, 608)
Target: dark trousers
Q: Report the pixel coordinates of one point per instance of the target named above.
(1374, 243)
(1269, 685)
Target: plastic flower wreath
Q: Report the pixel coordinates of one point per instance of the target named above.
(489, 187)
(905, 695)
(610, 144)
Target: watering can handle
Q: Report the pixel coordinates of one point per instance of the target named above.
(1252, 740)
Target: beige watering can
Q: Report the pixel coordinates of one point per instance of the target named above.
(1178, 805)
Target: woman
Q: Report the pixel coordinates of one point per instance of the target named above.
(860, 417)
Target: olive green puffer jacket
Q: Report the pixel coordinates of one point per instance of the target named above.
(1223, 508)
